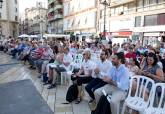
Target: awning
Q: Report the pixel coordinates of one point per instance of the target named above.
(56, 36)
(156, 34)
(106, 33)
(122, 33)
(33, 36)
(23, 36)
(115, 3)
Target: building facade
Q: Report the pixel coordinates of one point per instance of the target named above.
(35, 22)
(81, 16)
(9, 19)
(55, 16)
(142, 20)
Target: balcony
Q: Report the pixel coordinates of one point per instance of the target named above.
(115, 3)
(152, 7)
(50, 18)
(51, 10)
(58, 16)
(55, 17)
(50, 1)
(58, 6)
(58, 1)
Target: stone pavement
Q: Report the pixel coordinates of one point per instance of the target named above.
(11, 70)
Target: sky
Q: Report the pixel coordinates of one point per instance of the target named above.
(23, 4)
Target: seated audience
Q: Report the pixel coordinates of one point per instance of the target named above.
(67, 59)
(101, 70)
(118, 82)
(85, 73)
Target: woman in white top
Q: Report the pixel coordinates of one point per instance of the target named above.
(85, 73)
(65, 63)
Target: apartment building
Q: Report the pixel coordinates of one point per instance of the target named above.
(35, 22)
(80, 16)
(9, 19)
(142, 20)
(55, 16)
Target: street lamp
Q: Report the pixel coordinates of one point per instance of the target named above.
(105, 3)
(1, 2)
(41, 27)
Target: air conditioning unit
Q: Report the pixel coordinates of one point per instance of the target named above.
(121, 13)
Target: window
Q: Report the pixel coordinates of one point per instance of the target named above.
(160, 1)
(101, 13)
(146, 2)
(131, 5)
(161, 19)
(16, 18)
(121, 8)
(15, 9)
(112, 11)
(150, 20)
(138, 21)
(117, 10)
(86, 20)
(125, 7)
(140, 3)
(153, 1)
(15, 1)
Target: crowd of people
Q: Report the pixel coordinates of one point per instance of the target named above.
(100, 66)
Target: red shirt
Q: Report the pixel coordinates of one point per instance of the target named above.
(130, 55)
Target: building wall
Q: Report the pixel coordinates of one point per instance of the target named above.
(35, 20)
(9, 19)
(80, 16)
(144, 18)
(55, 16)
(14, 10)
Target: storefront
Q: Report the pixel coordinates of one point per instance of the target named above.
(152, 35)
(121, 29)
(121, 36)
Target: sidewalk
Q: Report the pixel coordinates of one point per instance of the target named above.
(54, 97)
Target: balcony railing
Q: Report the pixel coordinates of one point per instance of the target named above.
(58, 1)
(58, 6)
(120, 2)
(50, 10)
(50, 1)
(58, 16)
(151, 7)
(55, 17)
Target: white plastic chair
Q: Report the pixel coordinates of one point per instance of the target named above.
(78, 58)
(65, 76)
(160, 107)
(137, 101)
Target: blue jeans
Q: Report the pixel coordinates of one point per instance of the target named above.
(32, 61)
(93, 85)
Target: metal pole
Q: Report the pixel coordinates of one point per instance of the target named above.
(42, 29)
(104, 18)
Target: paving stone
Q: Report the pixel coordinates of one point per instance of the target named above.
(21, 97)
(63, 109)
(53, 97)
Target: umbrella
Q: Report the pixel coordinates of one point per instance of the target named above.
(23, 36)
(33, 36)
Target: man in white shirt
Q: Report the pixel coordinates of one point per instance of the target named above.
(101, 70)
